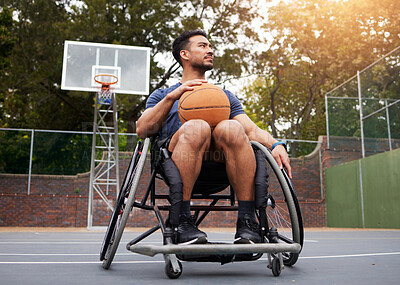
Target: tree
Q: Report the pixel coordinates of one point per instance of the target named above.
(7, 42)
(6, 39)
(31, 91)
(34, 95)
(33, 98)
(316, 45)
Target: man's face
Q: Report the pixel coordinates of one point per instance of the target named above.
(200, 53)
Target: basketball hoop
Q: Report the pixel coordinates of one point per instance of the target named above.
(105, 93)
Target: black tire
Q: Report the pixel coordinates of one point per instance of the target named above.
(170, 272)
(108, 239)
(284, 211)
(276, 267)
(124, 205)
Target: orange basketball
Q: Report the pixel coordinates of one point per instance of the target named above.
(207, 102)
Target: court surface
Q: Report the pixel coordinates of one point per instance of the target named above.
(330, 256)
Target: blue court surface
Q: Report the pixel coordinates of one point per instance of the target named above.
(62, 256)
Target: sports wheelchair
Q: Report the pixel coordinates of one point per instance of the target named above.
(277, 210)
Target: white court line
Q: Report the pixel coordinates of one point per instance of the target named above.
(131, 253)
(161, 261)
(81, 262)
(98, 242)
(50, 242)
(58, 254)
(62, 242)
(350, 255)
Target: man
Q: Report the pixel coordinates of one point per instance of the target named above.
(194, 144)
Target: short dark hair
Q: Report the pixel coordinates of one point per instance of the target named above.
(182, 41)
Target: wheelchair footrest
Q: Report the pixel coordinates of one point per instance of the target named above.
(221, 258)
(214, 249)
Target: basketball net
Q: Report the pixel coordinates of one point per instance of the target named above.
(105, 92)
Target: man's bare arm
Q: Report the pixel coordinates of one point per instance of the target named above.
(152, 119)
(256, 134)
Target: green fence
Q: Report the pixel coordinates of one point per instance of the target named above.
(364, 193)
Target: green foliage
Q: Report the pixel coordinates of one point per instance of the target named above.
(62, 154)
(7, 40)
(14, 152)
(33, 98)
(31, 83)
(316, 46)
(30, 93)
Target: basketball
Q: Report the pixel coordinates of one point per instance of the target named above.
(206, 102)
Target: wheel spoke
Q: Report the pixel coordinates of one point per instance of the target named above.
(283, 211)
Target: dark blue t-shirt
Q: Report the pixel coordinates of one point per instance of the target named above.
(172, 124)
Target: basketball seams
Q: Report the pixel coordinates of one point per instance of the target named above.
(182, 117)
(206, 107)
(197, 90)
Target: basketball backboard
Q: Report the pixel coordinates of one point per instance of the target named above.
(84, 60)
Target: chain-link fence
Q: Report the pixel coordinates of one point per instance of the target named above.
(28, 151)
(367, 107)
(51, 153)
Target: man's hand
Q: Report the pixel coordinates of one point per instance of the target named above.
(186, 86)
(152, 119)
(282, 158)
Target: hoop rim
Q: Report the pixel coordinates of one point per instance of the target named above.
(106, 83)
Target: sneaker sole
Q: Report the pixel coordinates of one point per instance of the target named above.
(199, 240)
(243, 241)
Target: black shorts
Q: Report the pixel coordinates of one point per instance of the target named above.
(212, 178)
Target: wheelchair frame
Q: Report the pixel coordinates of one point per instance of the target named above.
(282, 248)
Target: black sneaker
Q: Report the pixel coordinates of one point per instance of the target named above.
(247, 230)
(188, 233)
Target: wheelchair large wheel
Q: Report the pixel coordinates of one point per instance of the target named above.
(124, 204)
(120, 204)
(283, 210)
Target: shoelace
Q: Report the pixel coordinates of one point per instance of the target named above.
(187, 222)
(251, 225)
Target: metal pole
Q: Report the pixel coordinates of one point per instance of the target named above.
(69, 132)
(361, 115)
(100, 177)
(92, 166)
(381, 109)
(30, 162)
(327, 121)
(116, 147)
(108, 162)
(361, 194)
(388, 125)
(369, 66)
(321, 177)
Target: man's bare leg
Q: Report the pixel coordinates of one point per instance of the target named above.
(230, 139)
(188, 146)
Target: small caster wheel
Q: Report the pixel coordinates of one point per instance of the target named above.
(169, 271)
(276, 267)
